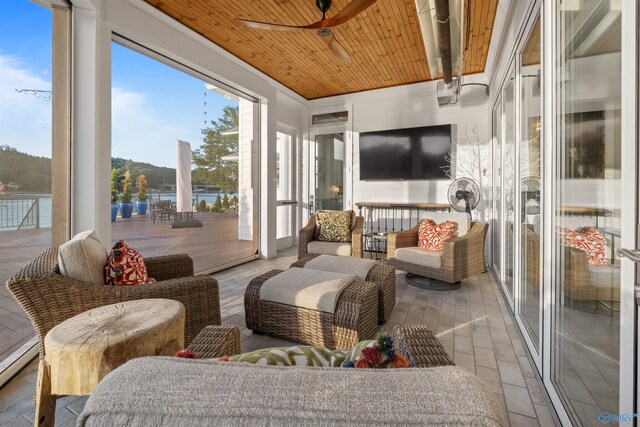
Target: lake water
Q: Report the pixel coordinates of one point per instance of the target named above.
(13, 211)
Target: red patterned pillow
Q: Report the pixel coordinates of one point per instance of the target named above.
(432, 235)
(125, 267)
(588, 239)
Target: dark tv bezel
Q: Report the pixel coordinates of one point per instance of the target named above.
(444, 177)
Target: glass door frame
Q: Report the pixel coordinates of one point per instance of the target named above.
(534, 351)
(314, 131)
(291, 201)
(500, 205)
(629, 208)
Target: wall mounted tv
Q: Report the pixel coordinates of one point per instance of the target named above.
(405, 154)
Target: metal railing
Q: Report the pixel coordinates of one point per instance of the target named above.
(18, 212)
(383, 218)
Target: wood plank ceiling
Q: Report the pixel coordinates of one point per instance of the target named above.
(384, 41)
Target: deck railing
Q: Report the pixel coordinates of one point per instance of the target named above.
(383, 218)
(19, 211)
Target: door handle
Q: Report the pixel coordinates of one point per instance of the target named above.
(632, 254)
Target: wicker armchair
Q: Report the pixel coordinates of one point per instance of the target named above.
(50, 298)
(581, 281)
(307, 235)
(461, 256)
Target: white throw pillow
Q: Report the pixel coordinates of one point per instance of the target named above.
(83, 258)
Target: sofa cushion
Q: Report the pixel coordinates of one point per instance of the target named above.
(163, 391)
(463, 220)
(125, 266)
(432, 235)
(423, 257)
(334, 226)
(83, 258)
(329, 248)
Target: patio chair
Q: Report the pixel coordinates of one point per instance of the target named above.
(461, 257)
(309, 245)
(50, 298)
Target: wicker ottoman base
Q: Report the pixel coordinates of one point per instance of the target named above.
(355, 317)
(384, 276)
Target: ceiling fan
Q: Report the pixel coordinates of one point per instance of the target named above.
(323, 27)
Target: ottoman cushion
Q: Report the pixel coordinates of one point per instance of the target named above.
(358, 267)
(315, 290)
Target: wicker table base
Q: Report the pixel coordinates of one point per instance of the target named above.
(384, 276)
(354, 320)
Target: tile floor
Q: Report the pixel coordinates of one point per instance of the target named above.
(473, 323)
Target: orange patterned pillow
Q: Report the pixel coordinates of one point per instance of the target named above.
(588, 239)
(432, 235)
(125, 267)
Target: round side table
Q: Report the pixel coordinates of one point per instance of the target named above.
(80, 351)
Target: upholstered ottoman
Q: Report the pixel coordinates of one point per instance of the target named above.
(384, 276)
(338, 319)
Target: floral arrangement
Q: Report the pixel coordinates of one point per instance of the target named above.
(114, 186)
(126, 188)
(381, 354)
(3, 191)
(142, 185)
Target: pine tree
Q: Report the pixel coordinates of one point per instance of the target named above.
(225, 202)
(210, 168)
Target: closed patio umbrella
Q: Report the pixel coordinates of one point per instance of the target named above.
(184, 195)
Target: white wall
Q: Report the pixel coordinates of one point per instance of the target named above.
(403, 107)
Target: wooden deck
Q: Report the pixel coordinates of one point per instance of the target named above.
(212, 245)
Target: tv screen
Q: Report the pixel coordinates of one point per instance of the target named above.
(404, 154)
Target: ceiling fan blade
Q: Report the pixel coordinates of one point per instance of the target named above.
(349, 11)
(336, 48)
(277, 27)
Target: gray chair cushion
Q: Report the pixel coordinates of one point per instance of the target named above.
(83, 258)
(329, 248)
(423, 257)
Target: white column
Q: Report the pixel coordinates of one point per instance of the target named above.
(268, 137)
(91, 121)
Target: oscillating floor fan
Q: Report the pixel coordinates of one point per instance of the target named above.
(464, 195)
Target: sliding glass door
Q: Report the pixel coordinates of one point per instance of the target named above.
(328, 153)
(529, 306)
(585, 357)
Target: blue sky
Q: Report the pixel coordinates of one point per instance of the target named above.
(153, 105)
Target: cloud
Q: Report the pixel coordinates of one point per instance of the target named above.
(139, 131)
(25, 120)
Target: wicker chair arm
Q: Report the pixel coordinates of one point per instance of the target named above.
(306, 235)
(401, 239)
(216, 341)
(459, 249)
(421, 348)
(51, 300)
(169, 266)
(356, 237)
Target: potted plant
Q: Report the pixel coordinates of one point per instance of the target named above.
(114, 195)
(126, 205)
(141, 198)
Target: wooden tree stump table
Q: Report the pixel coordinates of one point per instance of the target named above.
(80, 351)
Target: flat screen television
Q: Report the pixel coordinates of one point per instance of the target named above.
(405, 154)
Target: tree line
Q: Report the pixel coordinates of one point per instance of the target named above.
(33, 173)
